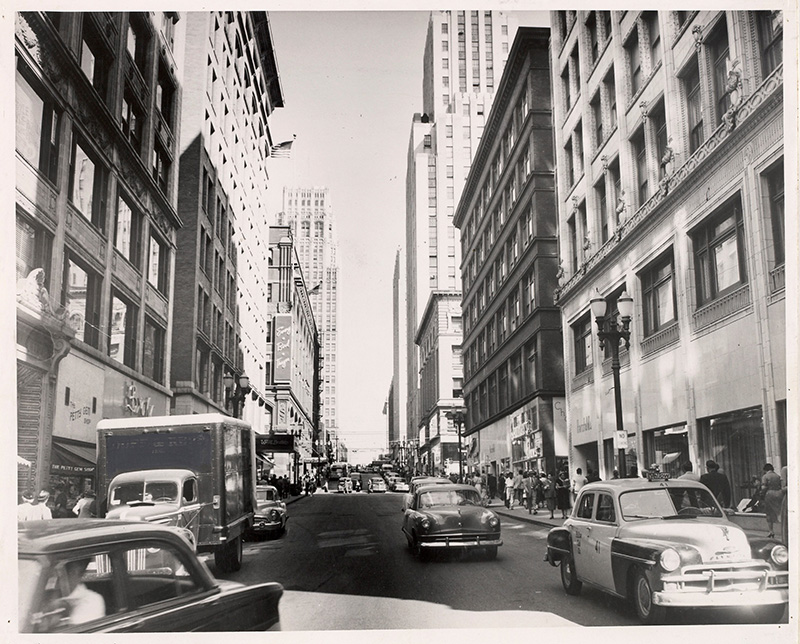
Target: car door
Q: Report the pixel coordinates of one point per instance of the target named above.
(580, 527)
(601, 531)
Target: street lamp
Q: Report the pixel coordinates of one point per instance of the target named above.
(613, 330)
(457, 416)
(235, 392)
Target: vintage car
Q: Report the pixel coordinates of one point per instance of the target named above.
(376, 484)
(398, 485)
(419, 481)
(100, 575)
(270, 516)
(667, 544)
(450, 516)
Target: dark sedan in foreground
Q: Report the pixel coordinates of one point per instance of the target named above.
(450, 516)
(98, 575)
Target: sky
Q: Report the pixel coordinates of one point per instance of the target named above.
(352, 82)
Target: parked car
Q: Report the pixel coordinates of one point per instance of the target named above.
(100, 575)
(450, 516)
(376, 484)
(398, 485)
(667, 544)
(270, 518)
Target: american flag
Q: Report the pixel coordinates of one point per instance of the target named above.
(282, 150)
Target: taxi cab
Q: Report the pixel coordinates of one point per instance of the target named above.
(667, 544)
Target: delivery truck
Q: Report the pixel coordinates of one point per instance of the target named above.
(194, 471)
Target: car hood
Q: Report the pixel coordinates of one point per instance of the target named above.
(462, 517)
(268, 506)
(714, 539)
(143, 511)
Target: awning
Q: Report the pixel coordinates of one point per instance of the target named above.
(72, 457)
(23, 461)
(265, 460)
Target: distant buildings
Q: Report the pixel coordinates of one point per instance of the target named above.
(464, 56)
(98, 99)
(308, 212)
(513, 364)
(669, 149)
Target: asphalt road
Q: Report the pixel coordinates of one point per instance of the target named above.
(344, 564)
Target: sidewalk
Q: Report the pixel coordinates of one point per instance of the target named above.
(542, 517)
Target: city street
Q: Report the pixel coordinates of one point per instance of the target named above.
(344, 564)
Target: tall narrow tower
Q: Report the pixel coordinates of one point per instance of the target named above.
(308, 212)
(465, 52)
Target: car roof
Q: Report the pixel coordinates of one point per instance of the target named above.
(173, 473)
(627, 484)
(58, 535)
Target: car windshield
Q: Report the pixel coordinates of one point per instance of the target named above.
(449, 497)
(265, 495)
(147, 491)
(665, 503)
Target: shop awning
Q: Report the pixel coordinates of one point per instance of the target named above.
(71, 457)
(268, 462)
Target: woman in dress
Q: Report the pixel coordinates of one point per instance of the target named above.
(562, 493)
(772, 492)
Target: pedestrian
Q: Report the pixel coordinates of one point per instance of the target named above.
(633, 472)
(592, 475)
(60, 510)
(491, 481)
(578, 482)
(509, 489)
(549, 489)
(540, 479)
(527, 481)
(615, 474)
(772, 492)
(562, 494)
(718, 483)
(39, 509)
(24, 509)
(688, 474)
(519, 488)
(89, 508)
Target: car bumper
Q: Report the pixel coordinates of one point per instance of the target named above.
(461, 542)
(263, 525)
(733, 587)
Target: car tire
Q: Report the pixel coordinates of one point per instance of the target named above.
(572, 586)
(771, 614)
(491, 553)
(648, 612)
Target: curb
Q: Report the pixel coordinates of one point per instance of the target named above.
(527, 518)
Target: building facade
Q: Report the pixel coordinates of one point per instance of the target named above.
(513, 363)
(221, 284)
(669, 144)
(292, 364)
(308, 212)
(399, 447)
(464, 56)
(98, 98)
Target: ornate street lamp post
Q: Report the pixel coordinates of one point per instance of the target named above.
(235, 393)
(457, 416)
(615, 330)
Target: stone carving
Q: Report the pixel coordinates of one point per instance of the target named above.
(561, 275)
(32, 293)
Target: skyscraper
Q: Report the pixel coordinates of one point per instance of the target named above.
(308, 212)
(465, 52)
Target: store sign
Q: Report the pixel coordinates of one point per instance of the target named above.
(274, 443)
(133, 404)
(282, 368)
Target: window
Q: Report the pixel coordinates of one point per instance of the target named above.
(80, 295)
(132, 121)
(634, 62)
(640, 156)
(577, 138)
(718, 50)
(573, 244)
(153, 355)
(597, 115)
(568, 166)
(605, 509)
(770, 37)
(161, 166)
(37, 127)
(88, 185)
(654, 34)
(585, 506)
(33, 248)
(138, 41)
(582, 332)
(602, 208)
(165, 94)
(610, 89)
(774, 181)
(658, 120)
(122, 331)
(591, 28)
(96, 61)
(719, 252)
(568, 98)
(658, 294)
(128, 232)
(681, 17)
(694, 105)
(158, 264)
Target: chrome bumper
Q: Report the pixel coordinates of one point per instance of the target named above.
(448, 542)
(734, 586)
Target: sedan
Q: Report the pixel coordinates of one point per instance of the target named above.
(376, 484)
(270, 516)
(450, 516)
(667, 545)
(100, 575)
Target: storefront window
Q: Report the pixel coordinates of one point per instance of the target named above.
(669, 449)
(736, 442)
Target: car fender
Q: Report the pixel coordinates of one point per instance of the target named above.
(559, 545)
(628, 555)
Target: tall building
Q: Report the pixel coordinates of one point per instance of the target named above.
(513, 364)
(221, 285)
(308, 212)
(399, 447)
(464, 56)
(670, 156)
(98, 98)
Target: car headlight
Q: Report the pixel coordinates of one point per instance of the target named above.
(779, 555)
(274, 515)
(425, 523)
(670, 559)
(494, 522)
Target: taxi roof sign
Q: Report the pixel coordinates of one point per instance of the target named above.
(657, 476)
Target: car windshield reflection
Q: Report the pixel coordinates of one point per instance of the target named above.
(667, 503)
(449, 497)
(144, 492)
